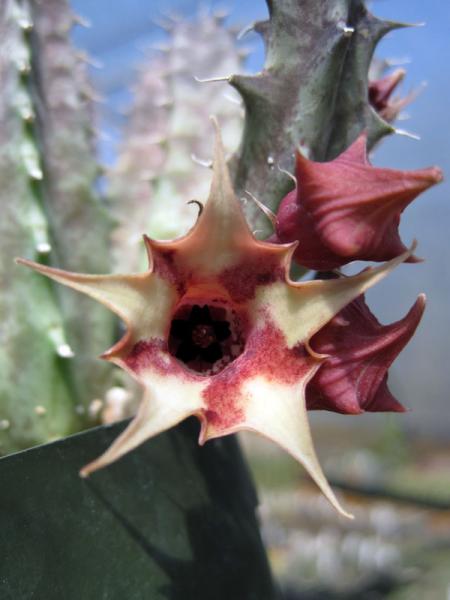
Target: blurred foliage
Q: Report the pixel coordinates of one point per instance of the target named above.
(398, 546)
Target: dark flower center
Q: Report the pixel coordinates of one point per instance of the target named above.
(203, 337)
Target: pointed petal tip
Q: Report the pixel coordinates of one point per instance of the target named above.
(90, 468)
(398, 75)
(41, 268)
(422, 179)
(436, 175)
(220, 168)
(203, 434)
(346, 514)
(411, 249)
(389, 265)
(27, 263)
(404, 329)
(215, 122)
(416, 311)
(421, 301)
(414, 260)
(404, 256)
(372, 275)
(148, 249)
(337, 506)
(384, 401)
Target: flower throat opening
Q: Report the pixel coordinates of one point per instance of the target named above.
(206, 337)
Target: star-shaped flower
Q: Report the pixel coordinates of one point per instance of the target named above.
(216, 329)
(346, 209)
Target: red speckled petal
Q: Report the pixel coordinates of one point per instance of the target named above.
(263, 391)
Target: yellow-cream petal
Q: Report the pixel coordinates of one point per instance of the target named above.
(221, 237)
(278, 412)
(301, 309)
(160, 409)
(144, 301)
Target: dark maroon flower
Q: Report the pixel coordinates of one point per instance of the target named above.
(381, 99)
(353, 378)
(346, 209)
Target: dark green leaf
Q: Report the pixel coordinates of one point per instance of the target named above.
(170, 520)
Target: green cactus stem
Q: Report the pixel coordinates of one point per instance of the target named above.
(312, 93)
(36, 399)
(64, 127)
(49, 340)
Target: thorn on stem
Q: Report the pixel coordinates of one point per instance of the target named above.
(290, 175)
(346, 30)
(408, 134)
(201, 161)
(245, 30)
(43, 248)
(269, 214)
(212, 79)
(65, 351)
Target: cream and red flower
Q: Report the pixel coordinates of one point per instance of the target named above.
(346, 209)
(217, 329)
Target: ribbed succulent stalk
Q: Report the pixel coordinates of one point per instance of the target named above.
(65, 130)
(49, 340)
(167, 128)
(33, 381)
(312, 93)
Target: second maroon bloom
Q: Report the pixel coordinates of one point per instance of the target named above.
(346, 209)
